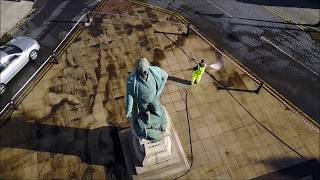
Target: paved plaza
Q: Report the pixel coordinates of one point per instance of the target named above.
(65, 127)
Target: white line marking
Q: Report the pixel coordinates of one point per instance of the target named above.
(225, 12)
(277, 47)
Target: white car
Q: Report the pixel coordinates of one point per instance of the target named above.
(14, 56)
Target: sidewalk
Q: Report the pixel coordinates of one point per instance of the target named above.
(11, 13)
(300, 15)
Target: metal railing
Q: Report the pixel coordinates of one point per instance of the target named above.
(36, 75)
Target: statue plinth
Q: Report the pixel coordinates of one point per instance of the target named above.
(146, 159)
(149, 153)
(164, 155)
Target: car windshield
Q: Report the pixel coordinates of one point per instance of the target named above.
(10, 49)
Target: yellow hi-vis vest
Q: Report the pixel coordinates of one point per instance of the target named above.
(199, 71)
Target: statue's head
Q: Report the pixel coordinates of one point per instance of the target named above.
(142, 67)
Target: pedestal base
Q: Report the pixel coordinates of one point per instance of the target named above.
(149, 153)
(164, 167)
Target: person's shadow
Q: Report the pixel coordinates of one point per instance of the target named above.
(100, 146)
(179, 80)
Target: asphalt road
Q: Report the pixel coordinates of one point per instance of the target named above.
(280, 53)
(49, 25)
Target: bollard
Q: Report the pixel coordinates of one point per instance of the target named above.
(89, 20)
(13, 105)
(55, 60)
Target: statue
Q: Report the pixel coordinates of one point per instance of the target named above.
(144, 111)
(151, 146)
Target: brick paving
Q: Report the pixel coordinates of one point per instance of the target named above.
(86, 90)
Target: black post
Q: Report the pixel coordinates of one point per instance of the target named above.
(55, 60)
(258, 89)
(188, 30)
(13, 105)
(88, 17)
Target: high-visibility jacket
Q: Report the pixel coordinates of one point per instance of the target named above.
(199, 70)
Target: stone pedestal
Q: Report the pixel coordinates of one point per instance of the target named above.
(149, 153)
(153, 160)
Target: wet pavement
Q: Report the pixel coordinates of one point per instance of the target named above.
(279, 52)
(49, 25)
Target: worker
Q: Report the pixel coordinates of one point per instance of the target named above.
(197, 72)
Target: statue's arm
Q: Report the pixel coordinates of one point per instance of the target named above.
(164, 77)
(129, 96)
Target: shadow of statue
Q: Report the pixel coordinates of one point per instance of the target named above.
(100, 146)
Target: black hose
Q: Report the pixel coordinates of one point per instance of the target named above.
(190, 139)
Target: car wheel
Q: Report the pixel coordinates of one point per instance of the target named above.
(2, 88)
(33, 55)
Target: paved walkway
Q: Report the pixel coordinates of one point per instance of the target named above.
(59, 131)
(11, 13)
(301, 15)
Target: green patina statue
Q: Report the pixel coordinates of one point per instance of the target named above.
(144, 110)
